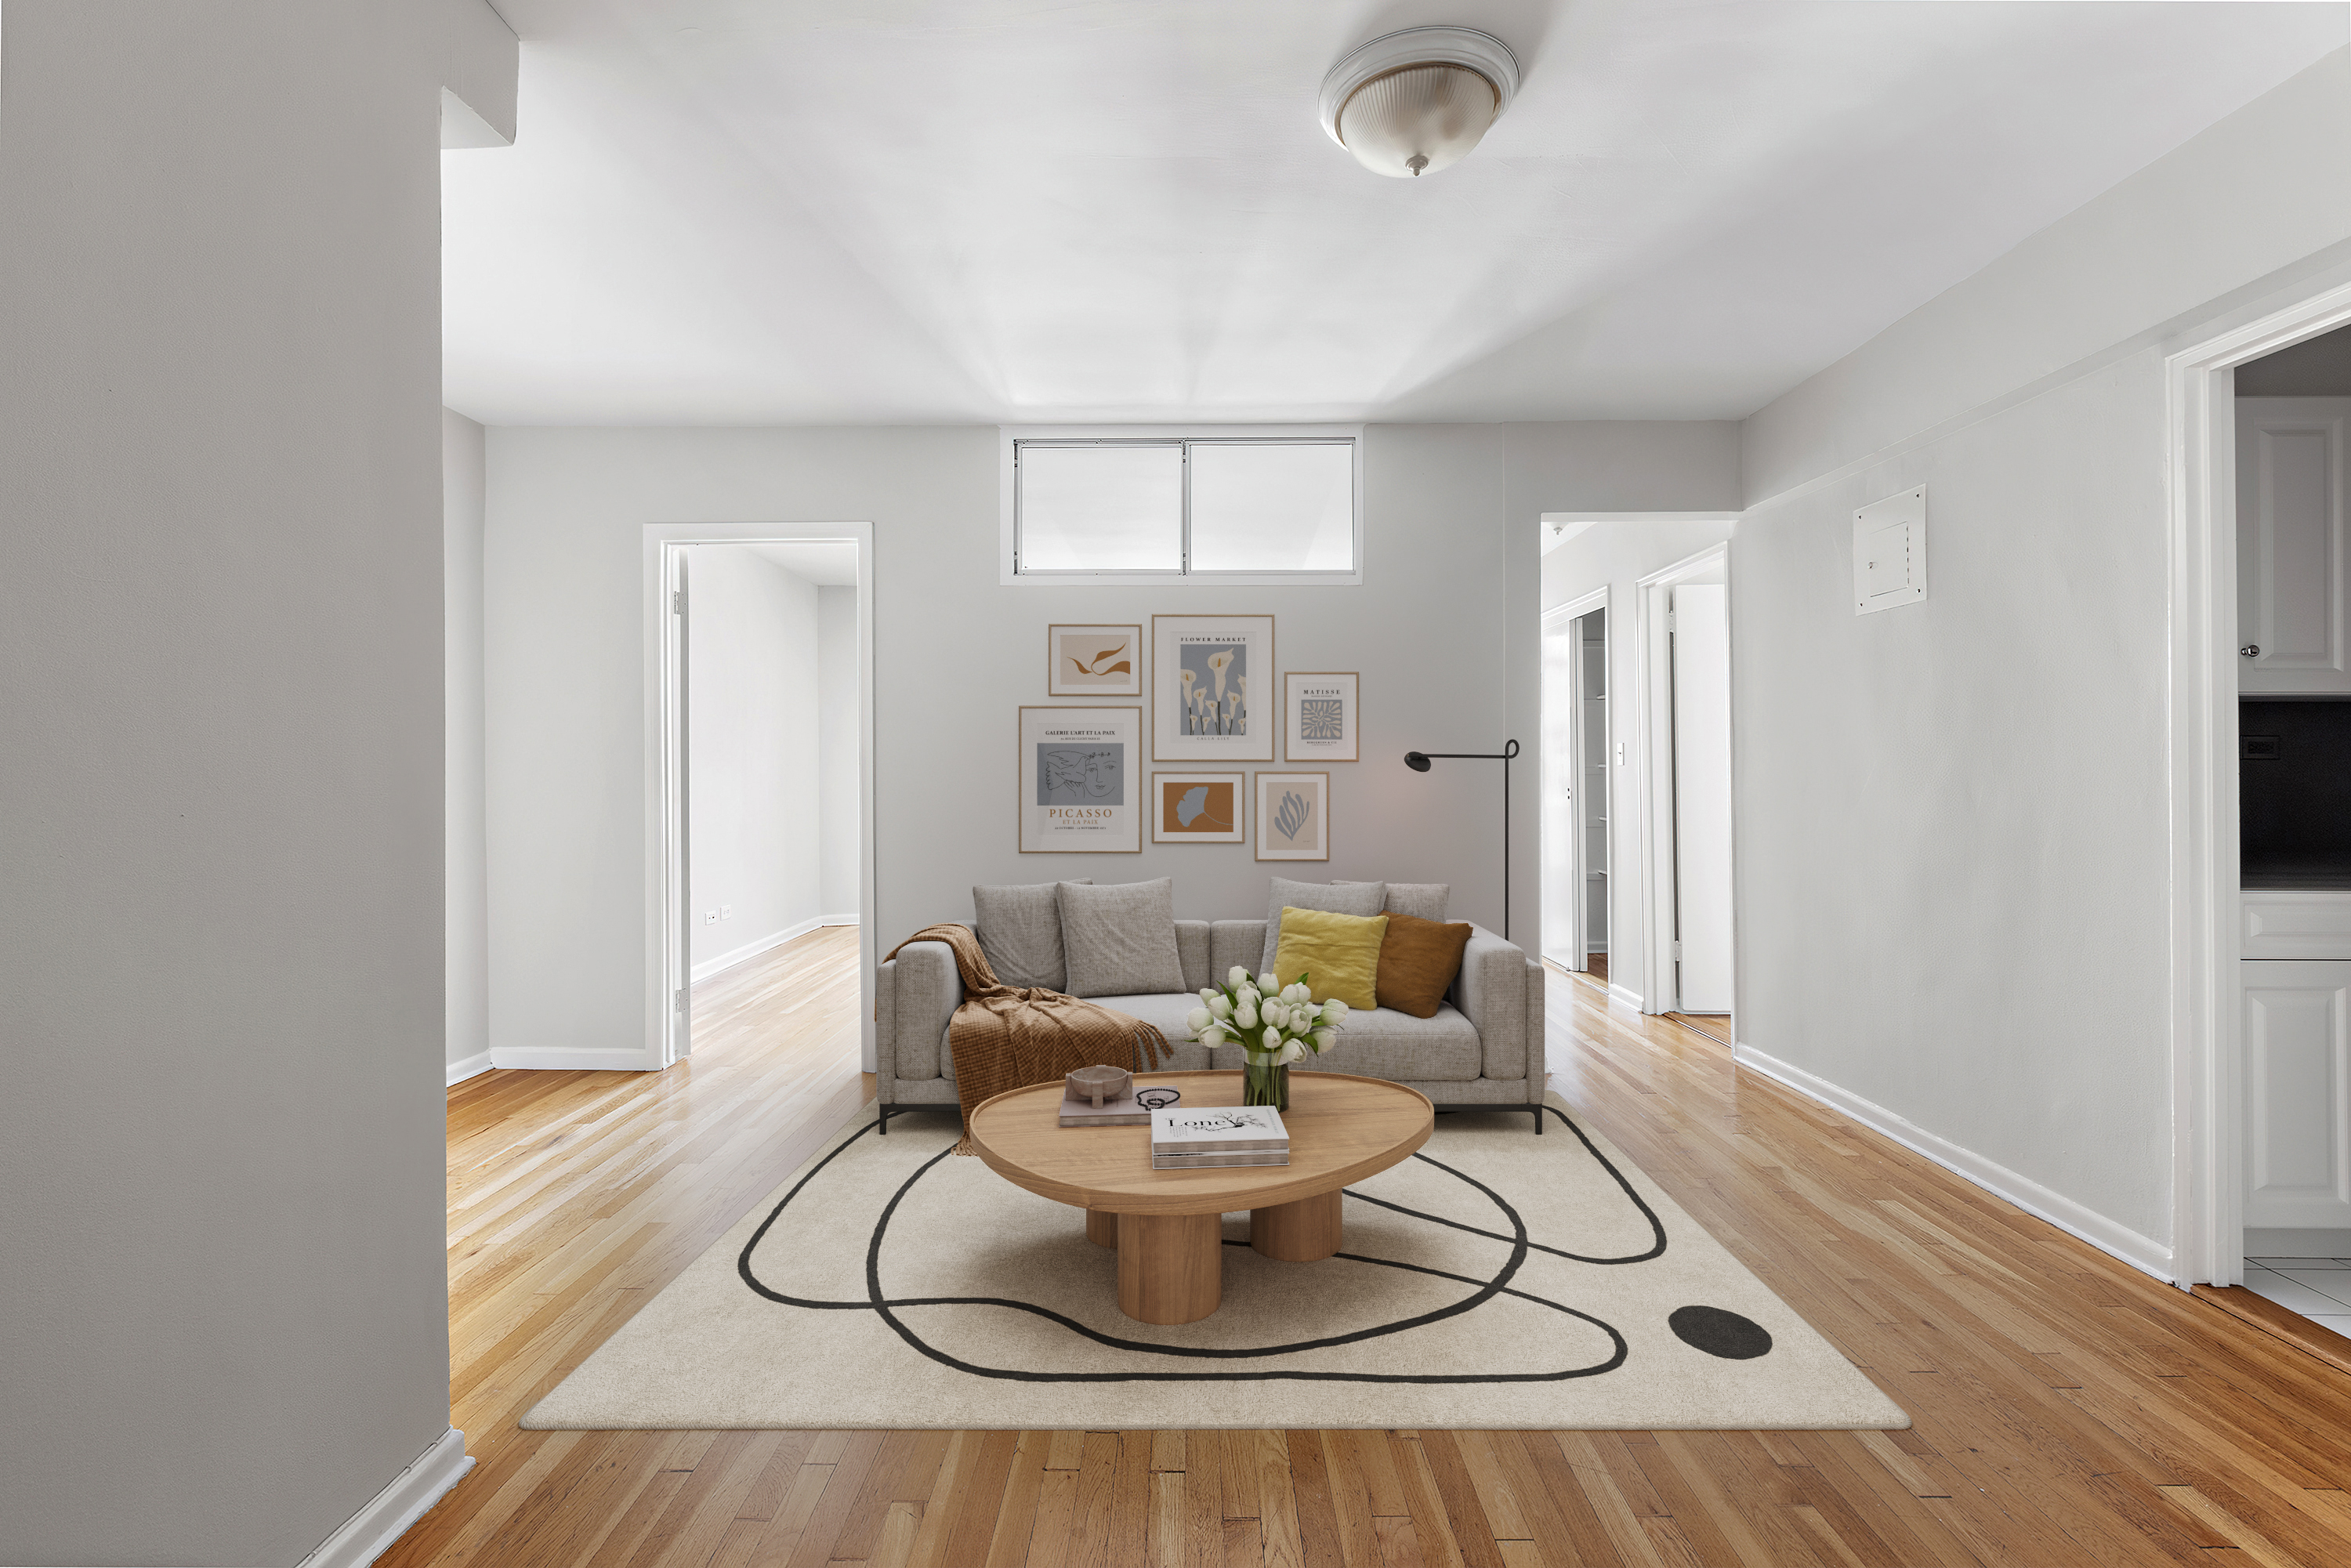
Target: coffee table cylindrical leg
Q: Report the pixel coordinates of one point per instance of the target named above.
(1306, 1231)
(1102, 1228)
(1171, 1267)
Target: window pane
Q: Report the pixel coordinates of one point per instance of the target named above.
(1273, 507)
(1101, 508)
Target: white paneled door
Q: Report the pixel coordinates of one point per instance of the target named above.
(2297, 1030)
(1701, 654)
(1562, 913)
(2292, 553)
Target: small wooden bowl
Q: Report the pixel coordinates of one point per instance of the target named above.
(1096, 1084)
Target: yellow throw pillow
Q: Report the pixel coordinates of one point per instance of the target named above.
(1338, 954)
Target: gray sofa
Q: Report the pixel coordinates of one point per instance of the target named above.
(1483, 1050)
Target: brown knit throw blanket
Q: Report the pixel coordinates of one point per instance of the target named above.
(1007, 1038)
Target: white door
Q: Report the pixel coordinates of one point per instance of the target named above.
(2290, 545)
(1701, 655)
(2297, 1030)
(1562, 874)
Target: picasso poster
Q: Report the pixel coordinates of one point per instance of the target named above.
(1079, 794)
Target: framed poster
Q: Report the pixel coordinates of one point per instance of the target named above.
(1319, 716)
(1078, 795)
(1200, 809)
(1211, 675)
(1293, 816)
(1093, 661)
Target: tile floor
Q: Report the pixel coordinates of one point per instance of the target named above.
(2318, 1289)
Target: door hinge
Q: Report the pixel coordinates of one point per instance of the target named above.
(680, 1003)
(677, 602)
(1670, 622)
(1677, 952)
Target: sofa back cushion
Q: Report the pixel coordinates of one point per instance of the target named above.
(1120, 940)
(1361, 898)
(1418, 959)
(1336, 954)
(1421, 900)
(1020, 931)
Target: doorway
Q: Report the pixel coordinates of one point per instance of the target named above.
(761, 654)
(1688, 831)
(1575, 786)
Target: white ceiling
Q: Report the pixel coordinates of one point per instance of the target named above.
(773, 211)
(828, 563)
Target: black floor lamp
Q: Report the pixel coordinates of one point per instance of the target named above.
(1418, 762)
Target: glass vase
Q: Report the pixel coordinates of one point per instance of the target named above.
(1265, 1086)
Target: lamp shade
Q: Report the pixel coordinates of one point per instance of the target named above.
(1419, 120)
(1415, 102)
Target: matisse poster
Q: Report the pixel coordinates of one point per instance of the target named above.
(1077, 794)
(1213, 688)
(1293, 816)
(1320, 715)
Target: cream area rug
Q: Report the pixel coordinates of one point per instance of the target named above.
(1494, 1279)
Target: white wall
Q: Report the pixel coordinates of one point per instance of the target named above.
(1450, 601)
(224, 1318)
(465, 889)
(1952, 818)
(839, 808)
(756, 738)
(1617, 556)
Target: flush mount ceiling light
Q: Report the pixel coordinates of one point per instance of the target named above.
(1415, 102)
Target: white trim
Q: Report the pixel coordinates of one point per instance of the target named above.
(2207, 1054)
(1653, 740)
(369, 1533)
(1630, 997)
(772, 940)
(473, 1066)
(2044, 1203)
(1556, 621)
(665, 897)
(568, 1059)
(1006, 435)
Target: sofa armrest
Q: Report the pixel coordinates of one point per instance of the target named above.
(918, 991)
(1492, 992)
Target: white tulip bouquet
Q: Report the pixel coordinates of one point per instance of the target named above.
(1273, 1024)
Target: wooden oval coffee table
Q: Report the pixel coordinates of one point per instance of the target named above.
(1168, 1225)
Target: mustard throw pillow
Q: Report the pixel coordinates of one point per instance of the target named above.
(1338, 954)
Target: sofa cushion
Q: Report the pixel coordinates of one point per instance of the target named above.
(1336, 954)
(1020, 931)
(1337, 898)
(1384, 1043)
(1120, 940)
(1418, 959)
(1421, 900)
(1167, 1010)
(1192, 946)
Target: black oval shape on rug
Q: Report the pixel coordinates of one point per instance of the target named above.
(1718, 1332)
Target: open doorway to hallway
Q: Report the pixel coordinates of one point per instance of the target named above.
(773, 815)
(1575, 788)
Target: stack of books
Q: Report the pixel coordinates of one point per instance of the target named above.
(1120, 1111)
(1198, 1138)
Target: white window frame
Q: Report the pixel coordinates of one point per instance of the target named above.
(1008, 505)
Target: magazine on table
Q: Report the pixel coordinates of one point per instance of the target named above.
(1219, 1130)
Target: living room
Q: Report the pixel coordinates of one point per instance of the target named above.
(344, 755)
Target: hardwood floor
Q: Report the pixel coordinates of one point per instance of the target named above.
(2069, 1410)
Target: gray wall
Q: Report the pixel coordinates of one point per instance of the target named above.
(224, 1318)
(1448, 605)
(466, 875)
(839, 806)
(1952, 818)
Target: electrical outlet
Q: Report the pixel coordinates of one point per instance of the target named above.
(726, 911)
(710, 917)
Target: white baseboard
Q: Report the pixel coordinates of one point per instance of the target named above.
(369, 1533)
(473, 1066)
(2045, 1203)
(564, 1059)
(774, 939)
(1617, 993)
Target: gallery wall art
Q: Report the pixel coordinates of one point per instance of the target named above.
(1212, 688)
(1199, 808)
(1293, 816)
(1078, 792)
(1319, 716)
(1093, 661)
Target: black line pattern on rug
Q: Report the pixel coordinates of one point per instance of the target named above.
(885, 1306)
